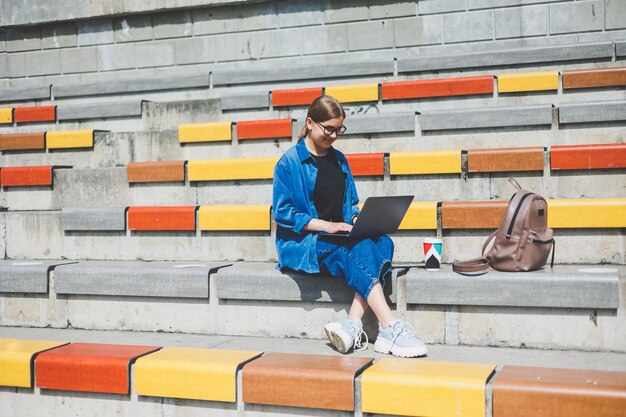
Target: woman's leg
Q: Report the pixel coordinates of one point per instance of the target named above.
(376, 300)
(358, 307)
(378, 303)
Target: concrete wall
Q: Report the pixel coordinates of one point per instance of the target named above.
(131, 37)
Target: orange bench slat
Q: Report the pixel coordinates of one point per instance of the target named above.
(162, 218)
(166, 171)
(437, 88)
(264, 129)
(26, 176)
(22, 141)
(364, 164)
(35, 114)
(505, 159)
(295, 97)
(472, 214)
(588, 156)
(598, 77)
(89, 367)
(520, 391)
(296, 380)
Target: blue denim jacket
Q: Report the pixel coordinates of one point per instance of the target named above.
(293, 207)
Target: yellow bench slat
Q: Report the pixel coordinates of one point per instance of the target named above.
(6, 115)
(231, 169)
(70, 139)
(235, 217)
(587, 213)
(192, 373)
(353, 93)
(422, 215)
(425, 162)
(205, 132)
(425, 388)
(15, 360)
(528, 81)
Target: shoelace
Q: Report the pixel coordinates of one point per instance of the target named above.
(402, 328)
(358, 340)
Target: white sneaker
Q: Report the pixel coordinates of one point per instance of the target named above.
(346, 335)
(399, 339)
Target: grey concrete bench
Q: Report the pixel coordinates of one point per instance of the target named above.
(601, 111)
(130, 85)
(246, 101)
(26, 276)
(565, 286)
(377, 123)
(296, 73)
(94, 219)
(262, 281)
(32, 93)
(99, 110)
(620, 49)
(489, 117)
(140, 279)
(508, 57)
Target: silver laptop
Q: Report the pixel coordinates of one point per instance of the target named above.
(379, 216)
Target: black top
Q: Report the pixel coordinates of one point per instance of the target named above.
(330, 185)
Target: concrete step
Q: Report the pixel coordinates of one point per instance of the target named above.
(26, 401)
(233, 300)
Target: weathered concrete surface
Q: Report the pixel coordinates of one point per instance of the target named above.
(154, 279)
(565, 286)
(94, 219)
(26, 277)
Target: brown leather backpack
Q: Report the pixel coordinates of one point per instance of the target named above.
(522, 242)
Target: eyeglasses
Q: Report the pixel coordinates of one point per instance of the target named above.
(329, 130)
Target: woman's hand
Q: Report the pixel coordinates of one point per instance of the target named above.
(317, 225)
(337, 227)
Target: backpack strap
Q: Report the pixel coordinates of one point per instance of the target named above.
(471, 265)
(477, 264)
(515, 183)
(489, 239)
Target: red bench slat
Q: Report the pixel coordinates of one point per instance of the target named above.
(35, 114)
(88, 367)
(588, 156)
(363, 164)
(264, 129)
(437, 88)
(160, 218)
(295, 97)
(26, 176)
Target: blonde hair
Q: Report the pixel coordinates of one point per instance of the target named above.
(322, 109)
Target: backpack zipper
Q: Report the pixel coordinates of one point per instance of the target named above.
(519, 206)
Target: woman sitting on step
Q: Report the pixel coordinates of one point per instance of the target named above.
(314, 192)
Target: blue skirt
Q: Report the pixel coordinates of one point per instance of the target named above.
(362, 262)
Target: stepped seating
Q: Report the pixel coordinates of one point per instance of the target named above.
(307, 381)
(564, 214)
